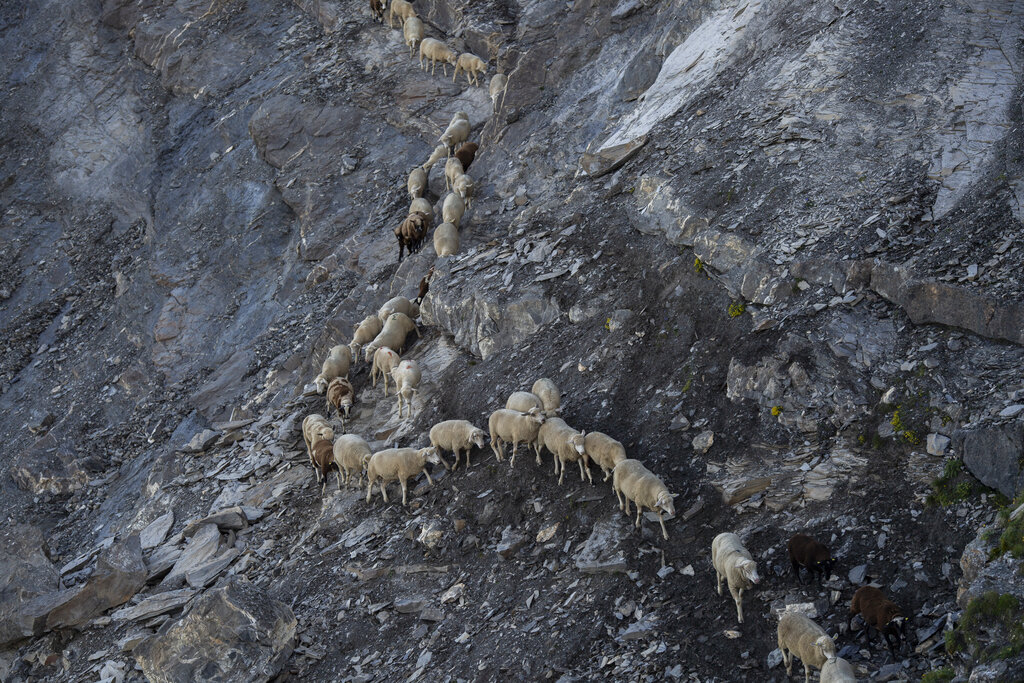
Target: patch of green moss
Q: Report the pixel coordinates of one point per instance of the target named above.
(954, 486)
(736, 309)
(698, 265)
(1011, 540)
(943, 675)
(992, 627)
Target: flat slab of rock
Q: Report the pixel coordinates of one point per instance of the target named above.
(154, 605)
(155, 533)
(25, 573)
(602, 551)
(738, 489)
(233, 634)
(201, 547)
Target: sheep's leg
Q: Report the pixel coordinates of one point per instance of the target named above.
(561, 475)
(495, 446)
(515, 447)
(787, 658)
(719, 575)
(456, 465)
(618, 496)
(369, 489)
(456, 74)
(607, 473)
(661, 521)
(807, 673)
(536, 448)
(404, 490)
(384, 491)
(639, 510)
(582, 475)
(385, 376)
(443, 461)
(737, 595)
(429, 480)
(338, 473)
(626, 497)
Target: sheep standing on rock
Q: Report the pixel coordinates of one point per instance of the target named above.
(401, 9)
(446, 239)
(337, 364)
(318, 435)
(398, 304)
(733, 562)
(837, 670)
(466, 153)
(412, 30)
(392, 335)
(550, 395)
(436, 51)
(452, 170)
(455, 436)
(498, 86)
(879, 613)
(440, 152)
(424, 286)
(364, 333)
(631, 481)
(457, 130)
(471, 65)
(340, 395)
(605, 451)
(524, 401)
(511, 426)
(351, 453)
(384, 361)
(411, 232)
(806, 553)
(407, 377)
(566, 444)
(798, 635)
(377, 8)
(464, 186)
(453, 209)
(417, 183)
(398, 463)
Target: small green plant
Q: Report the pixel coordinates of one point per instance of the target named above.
(736, 309)
(1011, 540)
(943, 675)
(992, 627)
(776, 411)
(952, 487)
(698, 265)
(902, 430)
(688, 385)
(608, 324)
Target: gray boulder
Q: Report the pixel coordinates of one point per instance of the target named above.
(994, 455)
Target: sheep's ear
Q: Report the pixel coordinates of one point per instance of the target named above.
(674, 495)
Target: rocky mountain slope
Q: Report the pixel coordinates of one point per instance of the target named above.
(774, 247)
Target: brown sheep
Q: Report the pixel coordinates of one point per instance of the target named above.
(377, 8)
(806, 553)
(322, 456)
(879, 613)
(466, 153)
(424, 286)
(340, 395)
(411, 233)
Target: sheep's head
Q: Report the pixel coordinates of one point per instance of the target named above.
(326, 433)
(749, 570)
(368, 353)
(321, 384)
(460, 114)
(826, 564)
(430, 455)
(478, 437)
(577, 441)
(665, 503)
(353, 347)
(536, 415)
(827, 646)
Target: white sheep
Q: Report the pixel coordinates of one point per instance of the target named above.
(837, 670)
(456, 132)
(605, 451)
(406, 376)
(455, 436)
(465, 188)
(548, 392)
(498, 86)
(402, 9)
(446, 239)
(452, 170)
(631, 481)
(417, 183)
(440, 152)
(398, 463)
(566, 444)
(364, 333)
(351, 453)
(453, 209)
(800, 636)
(436, 51)
(392, 335)
(733, 562)
(514, 427)
(523, 401)
(412, 30)
(384, 361)
(398, 304)
(471, 65)
(337, 364)
(422, 205)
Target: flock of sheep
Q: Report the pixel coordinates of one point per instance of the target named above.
(530, 418)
